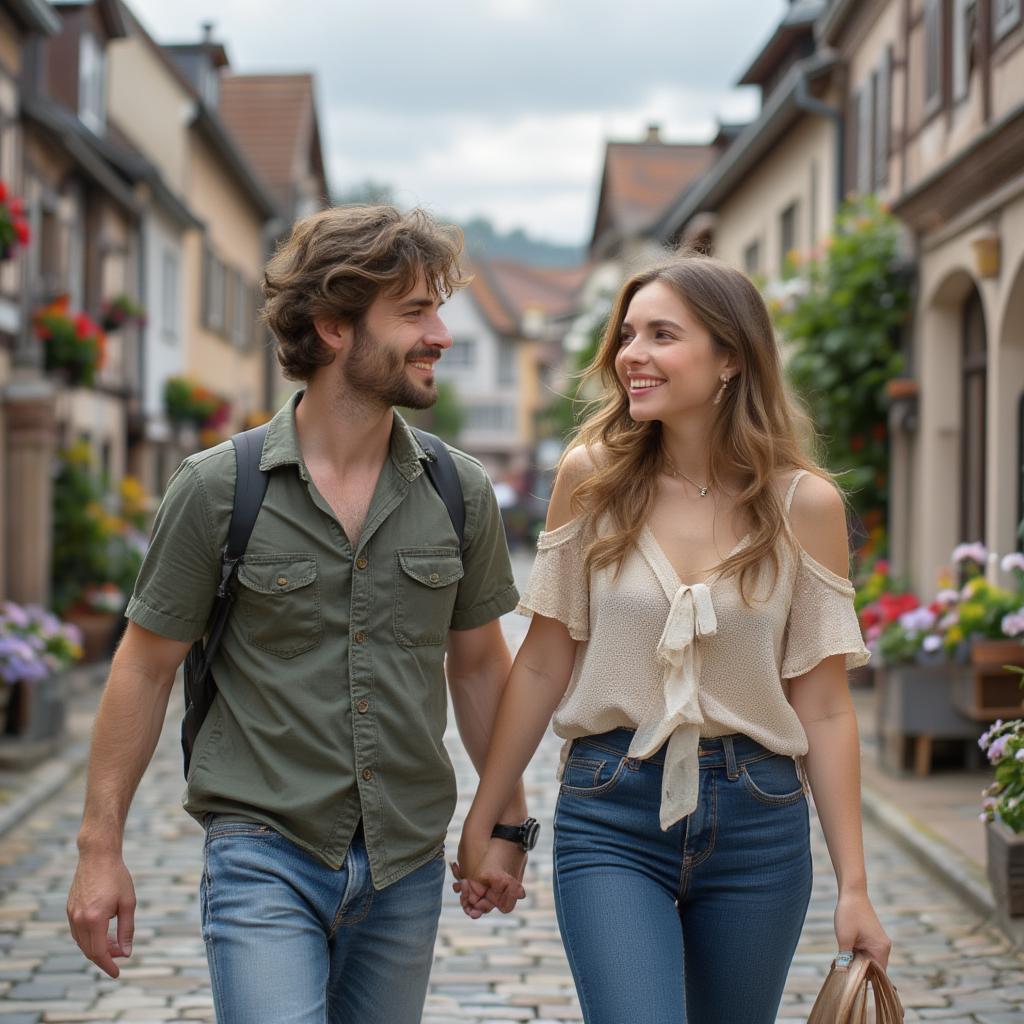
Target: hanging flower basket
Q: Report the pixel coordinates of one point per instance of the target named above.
(74, 344)
(190, 404)
(121, 311)
(14, 230)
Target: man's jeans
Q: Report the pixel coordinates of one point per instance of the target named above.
(697, 924)
(292, 941)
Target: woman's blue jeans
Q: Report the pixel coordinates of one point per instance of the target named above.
(697, 924)
(291, 941)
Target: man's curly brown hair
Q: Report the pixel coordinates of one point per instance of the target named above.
(337, 262)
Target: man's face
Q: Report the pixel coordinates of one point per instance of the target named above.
(391, 361)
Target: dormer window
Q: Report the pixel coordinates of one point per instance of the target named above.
(92, 83)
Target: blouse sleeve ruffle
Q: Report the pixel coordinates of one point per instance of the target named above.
(558, 587)
(822, 621)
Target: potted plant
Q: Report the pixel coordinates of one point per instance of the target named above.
(121, 310)
(35, 648)
(75, 346)
(14, 230)
(189, 403)
(96, 553)
(1003, 810)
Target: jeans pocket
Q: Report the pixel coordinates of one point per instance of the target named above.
(592, 772)
(219, 829)
(773, 780)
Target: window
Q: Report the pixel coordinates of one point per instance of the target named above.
(787, 239)
(974, 368)
(169, 302)
(965, 34)
(491, 417)
(214, 289)
(1005, 16)
(92, 83)
(461, 355)
(240, 313)
(881, 89)
(865, 137)
(752, 258)
(506, 363)
(932, 56)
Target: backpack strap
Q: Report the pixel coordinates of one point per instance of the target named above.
(444, 477)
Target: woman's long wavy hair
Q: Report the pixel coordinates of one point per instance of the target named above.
(758, 430)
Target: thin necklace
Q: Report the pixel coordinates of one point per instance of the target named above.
(703, 491)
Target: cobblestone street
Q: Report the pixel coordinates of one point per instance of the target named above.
(949, 965)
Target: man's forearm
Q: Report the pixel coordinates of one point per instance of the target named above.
(475, 700)
(125, 734)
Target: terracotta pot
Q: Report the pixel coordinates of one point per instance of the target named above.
(97, 629)
(997, 653)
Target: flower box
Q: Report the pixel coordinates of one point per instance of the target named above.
(1005, 864)
(915, 703)
(98, 629)
(33, 721)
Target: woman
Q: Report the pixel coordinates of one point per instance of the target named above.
(692, 627)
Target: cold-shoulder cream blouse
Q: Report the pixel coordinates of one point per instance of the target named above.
(677, 662)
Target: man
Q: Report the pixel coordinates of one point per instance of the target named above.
(319, 774)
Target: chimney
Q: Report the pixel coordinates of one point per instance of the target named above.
(207, 27)
(653, 132)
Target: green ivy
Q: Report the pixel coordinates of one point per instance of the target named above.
(841, 329)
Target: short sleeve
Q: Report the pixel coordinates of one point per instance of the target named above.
(486, 590)
(176, 584)
(822, 621)
(558, 586)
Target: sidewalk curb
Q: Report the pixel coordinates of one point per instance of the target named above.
(956, 870)
(52, 778)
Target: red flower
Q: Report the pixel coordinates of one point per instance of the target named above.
(16, 206)
(3, 191)
(882, 566)
(878, 432)
(856, 442)
(21, 230)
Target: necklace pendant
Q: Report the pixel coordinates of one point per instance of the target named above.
(703, 492)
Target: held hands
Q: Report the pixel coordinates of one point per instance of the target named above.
(858, 928)
(488, 874)
(101, 890)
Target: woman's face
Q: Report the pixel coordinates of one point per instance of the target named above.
(667, 361)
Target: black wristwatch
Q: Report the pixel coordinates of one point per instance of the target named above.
(524, 835)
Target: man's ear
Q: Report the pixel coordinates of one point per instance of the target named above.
(335, 334)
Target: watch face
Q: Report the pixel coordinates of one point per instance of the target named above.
(531, 830)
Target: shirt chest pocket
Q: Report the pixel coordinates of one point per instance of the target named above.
(279, 602)
(426, 584)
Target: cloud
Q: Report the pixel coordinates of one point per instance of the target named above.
(501, 106)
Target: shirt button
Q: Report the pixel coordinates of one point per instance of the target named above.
(361, 563)
(367, 774)
(282, 581)
(434, 577)
(360, 637)
(363, 706)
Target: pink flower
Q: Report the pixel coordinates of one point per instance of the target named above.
(1013, 624)
(996, 751)
(976, 552)
(947, 596)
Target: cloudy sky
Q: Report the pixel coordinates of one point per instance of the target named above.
(493, 107)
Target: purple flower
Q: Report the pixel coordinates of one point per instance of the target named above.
(1013, 624)
(918, 620)
(995, 752)
(16, 615)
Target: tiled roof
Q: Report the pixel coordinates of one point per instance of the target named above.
(641, 179)
(270, 116)
(506, 291)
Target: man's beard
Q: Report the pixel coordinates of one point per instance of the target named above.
(377, 375)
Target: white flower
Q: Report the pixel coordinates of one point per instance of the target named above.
(976, 552)
(932, 643)
(1019, 756)
(947, 597)
(1014, 560)
(1013, 624)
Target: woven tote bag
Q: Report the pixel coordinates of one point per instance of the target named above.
(857, 992)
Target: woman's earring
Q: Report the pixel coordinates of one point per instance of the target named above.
(721, 390)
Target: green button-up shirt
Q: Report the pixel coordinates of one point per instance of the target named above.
(331, 701)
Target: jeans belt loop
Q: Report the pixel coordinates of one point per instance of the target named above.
(730, 758)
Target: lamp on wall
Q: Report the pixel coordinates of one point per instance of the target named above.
(986, 255)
